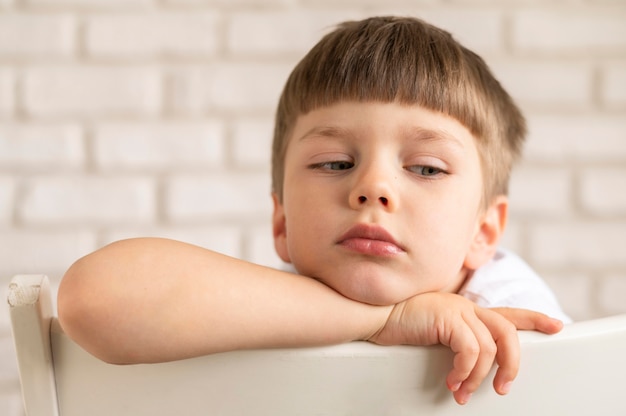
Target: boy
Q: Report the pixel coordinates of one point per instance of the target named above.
(392, 151)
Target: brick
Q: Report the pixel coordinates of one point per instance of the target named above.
(225, 239)
(241, 196)
(153, 34)
(584, 244)
(553, 83)
(237, 87)
(613, 88)
(260, 247)
(602, 191)
(7, 92)
(11, 402)
(231, 3)
(38, 251)
(540, 192)
(611, 294)
(481, 30)
(268, 33)
(573, 291)
(393, 5)
(40, 146)
(574, 138)
(593, 31)
(512, 239)
(89, 91)
(37, 35)
(100, 4)
(7, 199)
(159, 145)
(89, 200)
(252, 142)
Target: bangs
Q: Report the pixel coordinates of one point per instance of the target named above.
(392, 62)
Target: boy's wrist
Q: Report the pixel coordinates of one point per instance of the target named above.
(379, 323)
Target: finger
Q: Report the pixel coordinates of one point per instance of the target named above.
(507, 356)
(484, 362)
(525, 319)
(462, 341)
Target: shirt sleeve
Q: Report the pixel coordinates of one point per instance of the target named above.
(508, 281)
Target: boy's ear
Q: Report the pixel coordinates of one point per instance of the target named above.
(489, 230)
(279, 229)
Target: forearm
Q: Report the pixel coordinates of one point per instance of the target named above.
(153, 300)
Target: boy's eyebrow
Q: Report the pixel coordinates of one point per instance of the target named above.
(438, 135)
(326, 131)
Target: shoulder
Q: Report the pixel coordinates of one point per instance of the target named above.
(508, 281)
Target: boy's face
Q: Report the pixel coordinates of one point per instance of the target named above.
(382, 201)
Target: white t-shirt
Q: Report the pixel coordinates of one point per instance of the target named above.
(507, 281)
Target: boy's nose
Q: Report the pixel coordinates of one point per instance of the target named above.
(383, 200)
(373, 189)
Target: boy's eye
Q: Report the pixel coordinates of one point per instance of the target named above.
(425, 170)
(335, 165)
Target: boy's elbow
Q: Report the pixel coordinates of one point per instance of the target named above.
(70, 301)
(81, 314)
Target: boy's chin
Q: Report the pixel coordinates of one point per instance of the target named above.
(387, 290)
(373, 290)
(378, 284)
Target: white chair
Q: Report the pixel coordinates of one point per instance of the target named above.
(579, 371)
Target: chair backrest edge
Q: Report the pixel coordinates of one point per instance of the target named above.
(30, 309)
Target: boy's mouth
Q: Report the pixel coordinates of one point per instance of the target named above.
(371, 240)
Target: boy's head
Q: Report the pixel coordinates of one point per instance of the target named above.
(407, 61)
(392, 151)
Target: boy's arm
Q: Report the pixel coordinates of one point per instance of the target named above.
(154, 300)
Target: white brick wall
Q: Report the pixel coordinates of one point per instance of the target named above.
(7, 92)
(550, 187)
(598, 187)
(37, 146)
(570, 30)
(163, 146)
(69, 199)
(252, 141)
(37, 35)
(154, 118)
(547, 83)
(614, 86)
(143, 35)
(7, 200)
(566, 139)
(229, 86)
(77, 90)
(191, 198)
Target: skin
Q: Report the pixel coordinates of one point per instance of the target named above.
(400, 191)
(153, 300)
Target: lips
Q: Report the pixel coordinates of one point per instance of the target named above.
(371, 240)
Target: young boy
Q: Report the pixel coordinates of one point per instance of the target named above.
(391, 158)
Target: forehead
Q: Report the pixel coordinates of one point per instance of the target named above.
(355, 120)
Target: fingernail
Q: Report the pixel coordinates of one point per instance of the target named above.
(455, 387)
(465, 398)
(506, 387)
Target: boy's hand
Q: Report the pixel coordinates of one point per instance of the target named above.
(476, 335)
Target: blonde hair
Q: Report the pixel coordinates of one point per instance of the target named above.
(408, 61)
